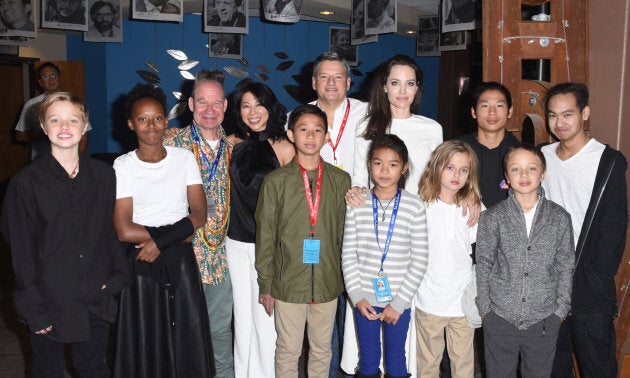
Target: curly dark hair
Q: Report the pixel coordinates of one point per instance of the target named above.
(141, 91)
(265, 96)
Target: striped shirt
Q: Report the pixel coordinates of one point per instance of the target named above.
(406, 259)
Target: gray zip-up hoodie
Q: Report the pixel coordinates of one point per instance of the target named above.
(522, 278)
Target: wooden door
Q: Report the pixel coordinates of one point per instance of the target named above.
(15, 88)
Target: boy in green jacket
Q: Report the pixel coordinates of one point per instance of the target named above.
(299, 233)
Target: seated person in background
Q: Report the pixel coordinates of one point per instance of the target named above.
(28, 128)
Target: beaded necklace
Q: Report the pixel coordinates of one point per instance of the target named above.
(213, 237)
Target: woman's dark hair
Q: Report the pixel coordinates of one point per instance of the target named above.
(265, 96)
(486, 86)
(394, 143)
(379, 113)
(141, 91)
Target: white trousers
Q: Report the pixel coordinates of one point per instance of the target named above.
(254, 329)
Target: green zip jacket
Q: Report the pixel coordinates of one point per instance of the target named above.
(283, 222)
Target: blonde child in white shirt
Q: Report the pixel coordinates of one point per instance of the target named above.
(449, 178)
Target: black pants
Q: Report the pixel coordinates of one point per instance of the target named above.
(88, 357)
(593, 336)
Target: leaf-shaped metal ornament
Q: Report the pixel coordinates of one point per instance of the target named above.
(263, 68)
(152, 65)
(178, 95)
(284, 65)
(187, 75)
(177, 54)
(187, 64)
(236, 71)
(243, 82)
(149, 77)
(244, 62)
(177, 110)
(281, 55)
(262, 76)
(357, 72)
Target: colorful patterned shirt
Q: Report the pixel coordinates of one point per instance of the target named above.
(209, 241)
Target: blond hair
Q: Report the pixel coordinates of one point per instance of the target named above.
(72, 98)
(430, 182)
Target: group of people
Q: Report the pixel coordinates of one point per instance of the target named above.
(296, 218)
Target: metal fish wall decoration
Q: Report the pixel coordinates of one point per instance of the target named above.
(236, 71)
(152, 65)
(177, 54)
(187, 64)
(149, 77)
(284, 65)
(177, 110)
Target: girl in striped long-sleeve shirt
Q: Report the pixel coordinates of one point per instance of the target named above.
(384, 259)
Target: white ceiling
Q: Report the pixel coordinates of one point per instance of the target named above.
(408, 10)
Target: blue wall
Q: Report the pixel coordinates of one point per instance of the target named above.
(110, 68)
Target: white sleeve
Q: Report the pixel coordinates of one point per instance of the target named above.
(123, 178)
(193, 175)
(360, 175)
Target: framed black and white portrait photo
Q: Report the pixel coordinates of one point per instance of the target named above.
(225, 45)
(65, 14)
(17, 18)
(226, 16)
(428, 40)
(380, 16)
(339, 41)
(357, 24)
(105, 23)
(458, 15)
(158, 10)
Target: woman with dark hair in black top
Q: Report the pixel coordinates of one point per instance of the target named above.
(260, 119)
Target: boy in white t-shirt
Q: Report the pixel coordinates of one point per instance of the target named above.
(587, 178)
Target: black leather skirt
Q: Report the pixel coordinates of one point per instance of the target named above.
(163, 329)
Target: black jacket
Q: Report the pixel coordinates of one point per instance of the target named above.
(602, 238)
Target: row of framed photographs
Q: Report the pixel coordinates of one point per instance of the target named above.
(101, 20)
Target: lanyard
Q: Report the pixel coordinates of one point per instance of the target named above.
(313, 207)
(390, 230)
(341, 129)
(213, 170)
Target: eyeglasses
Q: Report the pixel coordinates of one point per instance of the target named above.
(325, 78)
(49, 76)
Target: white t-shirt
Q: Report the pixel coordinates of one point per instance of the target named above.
(345, 149)
(569, 183)
(159, 190)
(450, 264)
(421, 136)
